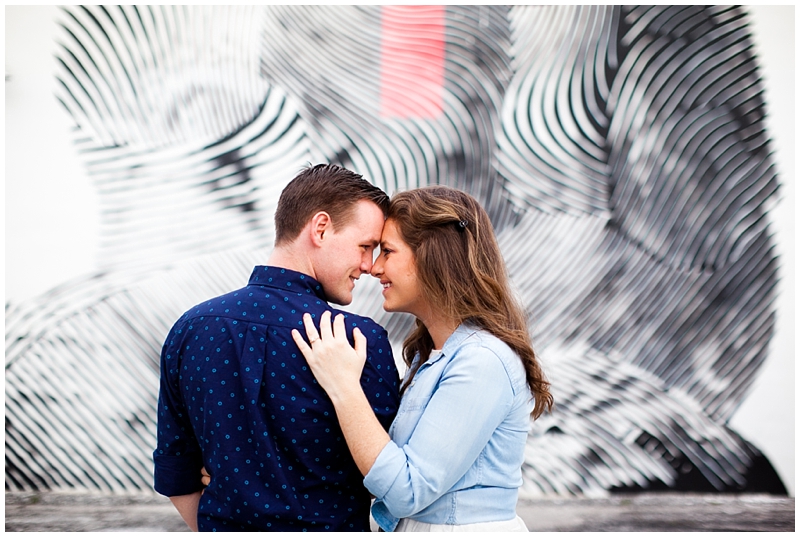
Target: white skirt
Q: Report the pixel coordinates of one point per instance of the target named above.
(516, 524)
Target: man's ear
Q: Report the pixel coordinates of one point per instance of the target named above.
(321, 225)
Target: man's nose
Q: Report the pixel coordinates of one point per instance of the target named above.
(366, 264)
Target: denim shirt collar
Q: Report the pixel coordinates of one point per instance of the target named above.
(462, 332)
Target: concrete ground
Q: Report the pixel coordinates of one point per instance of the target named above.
(633, 512)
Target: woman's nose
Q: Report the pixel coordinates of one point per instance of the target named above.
(377, 268)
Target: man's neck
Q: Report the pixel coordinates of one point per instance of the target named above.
(291, 258)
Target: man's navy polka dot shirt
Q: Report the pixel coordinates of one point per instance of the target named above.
(238, 397)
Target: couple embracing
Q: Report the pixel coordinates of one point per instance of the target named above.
(292, 412)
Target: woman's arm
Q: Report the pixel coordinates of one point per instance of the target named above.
(472, 397)
(337, 367)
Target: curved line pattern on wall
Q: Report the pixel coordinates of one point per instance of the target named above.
(620, 152)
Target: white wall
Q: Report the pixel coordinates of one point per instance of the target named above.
(767, 417)
(52, 211)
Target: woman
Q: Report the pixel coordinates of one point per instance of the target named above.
(453, 455)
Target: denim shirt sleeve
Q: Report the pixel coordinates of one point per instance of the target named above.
(177, 456)
(472, 398)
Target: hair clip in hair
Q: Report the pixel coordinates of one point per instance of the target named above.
(462, 225)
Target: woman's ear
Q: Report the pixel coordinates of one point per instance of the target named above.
(320, 224)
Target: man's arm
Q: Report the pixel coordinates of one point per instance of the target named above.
(379, 378)
(177, 457)
(187, 507)
(338, 367)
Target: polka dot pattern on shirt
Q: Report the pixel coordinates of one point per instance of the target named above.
(268, 433)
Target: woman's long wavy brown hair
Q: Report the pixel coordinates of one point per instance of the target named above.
(462, 272)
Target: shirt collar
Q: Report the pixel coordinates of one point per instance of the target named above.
(454, 341)
(286, 279)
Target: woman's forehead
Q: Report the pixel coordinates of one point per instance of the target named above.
(390, 232)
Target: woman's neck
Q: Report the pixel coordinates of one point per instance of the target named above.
(439, 327)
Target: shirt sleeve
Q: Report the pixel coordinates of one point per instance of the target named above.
(177, 457)
(473, 397)
(380, 380)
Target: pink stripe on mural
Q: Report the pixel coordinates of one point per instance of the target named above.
(412, 61)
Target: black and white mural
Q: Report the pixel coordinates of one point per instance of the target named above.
(622, 153)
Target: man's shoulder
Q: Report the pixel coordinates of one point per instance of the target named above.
(225, 305)
(215, 305)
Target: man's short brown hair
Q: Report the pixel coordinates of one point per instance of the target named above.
(324, 187)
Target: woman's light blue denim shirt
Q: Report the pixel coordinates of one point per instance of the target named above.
(458, 438)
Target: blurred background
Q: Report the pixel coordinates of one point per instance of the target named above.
(638, 164)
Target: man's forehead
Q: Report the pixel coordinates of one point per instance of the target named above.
(370, 220)
(374, 237)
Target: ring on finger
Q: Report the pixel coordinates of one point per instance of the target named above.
(312, 341)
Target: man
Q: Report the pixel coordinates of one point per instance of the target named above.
(237, 396)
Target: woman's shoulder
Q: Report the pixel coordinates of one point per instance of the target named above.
(476, 343)
(478, 338)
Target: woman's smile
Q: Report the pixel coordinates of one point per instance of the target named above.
(396, 270)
